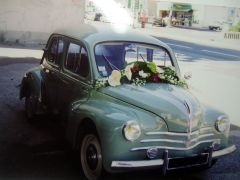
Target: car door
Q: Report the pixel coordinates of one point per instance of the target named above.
(50, 72)
(75, 77)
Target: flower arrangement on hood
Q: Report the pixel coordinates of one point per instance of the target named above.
(140, 73)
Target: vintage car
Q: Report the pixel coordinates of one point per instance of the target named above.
(123, 103)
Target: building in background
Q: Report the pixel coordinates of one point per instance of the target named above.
(31, 21)
(199, 13)
(188, 13)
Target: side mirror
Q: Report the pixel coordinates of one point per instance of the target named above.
(187, 75)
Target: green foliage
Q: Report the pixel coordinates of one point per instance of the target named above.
(235, 28)
(144, 72)
(152, 66)
(170, 76)
(99, 83)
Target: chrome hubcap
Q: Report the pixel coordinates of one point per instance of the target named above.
(92, 157)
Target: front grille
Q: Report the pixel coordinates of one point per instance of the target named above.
(177, 163)
(177, 141)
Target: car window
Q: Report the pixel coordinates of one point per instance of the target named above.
(115, 55)
(73, 56)
(56, 51)
(83, 68)
(143, 53)
(77, 60)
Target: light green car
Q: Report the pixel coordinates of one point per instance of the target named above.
(123, 103)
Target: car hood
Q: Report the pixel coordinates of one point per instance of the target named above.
(179, 108)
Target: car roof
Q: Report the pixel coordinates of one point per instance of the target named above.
(77, 32)
(93, 35)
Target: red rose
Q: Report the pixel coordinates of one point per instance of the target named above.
(134, 68)
(155, 77)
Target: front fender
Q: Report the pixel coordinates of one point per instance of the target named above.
(31, 82)
(210, 115)
(109, 116)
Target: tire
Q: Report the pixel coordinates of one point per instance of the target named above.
(31, 106)
(91, 156)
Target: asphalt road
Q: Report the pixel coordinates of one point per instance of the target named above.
(39, 151)
(197, 52)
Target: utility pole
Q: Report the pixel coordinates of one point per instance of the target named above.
(135, 7)
(134, 12)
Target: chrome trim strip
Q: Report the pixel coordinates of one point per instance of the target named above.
(179, 134)
(162, 140)
(202, 136)
(160, 162)
(178, 148)
(175, 141)
(133, 164)
(222, 117)
(225, 151)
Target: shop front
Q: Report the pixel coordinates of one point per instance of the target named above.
(182, 15)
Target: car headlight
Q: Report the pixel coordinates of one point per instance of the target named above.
(222, 123)
(131, 130)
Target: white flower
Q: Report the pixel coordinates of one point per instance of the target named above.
(172, 68)
(161, 76)
(143, 74)
(128, 72)
(114, 78)
(160, 70)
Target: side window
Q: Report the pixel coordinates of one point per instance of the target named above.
(77, 60)
(83, 68)
(56, 51)
(73, 56)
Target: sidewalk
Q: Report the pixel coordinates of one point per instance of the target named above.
(19, 52)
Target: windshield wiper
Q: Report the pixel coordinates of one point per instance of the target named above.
(112, 66)
(142, 57)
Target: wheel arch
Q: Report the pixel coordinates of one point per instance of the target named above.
(24, 88)
(31, 81)
(86, 124)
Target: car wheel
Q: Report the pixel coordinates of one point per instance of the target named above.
(91, 156)
(30, 106)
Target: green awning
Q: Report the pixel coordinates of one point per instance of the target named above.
(182, 7)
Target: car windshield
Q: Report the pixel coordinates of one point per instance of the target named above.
(116, 55)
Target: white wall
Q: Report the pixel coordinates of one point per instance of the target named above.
(29, 21)
(214, 14)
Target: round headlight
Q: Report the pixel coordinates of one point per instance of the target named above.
(222, 123)
(131, 130)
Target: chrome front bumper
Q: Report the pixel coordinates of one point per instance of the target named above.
(164, 161)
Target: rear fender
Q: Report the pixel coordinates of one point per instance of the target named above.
(31, 82)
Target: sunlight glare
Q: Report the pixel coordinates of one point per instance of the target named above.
(119, 17)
